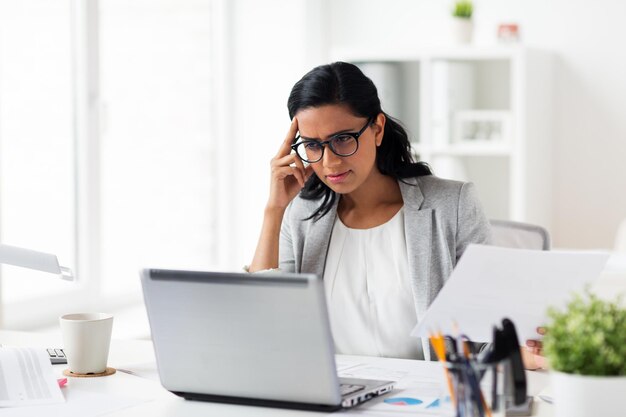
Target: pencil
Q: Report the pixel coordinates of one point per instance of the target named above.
(439, 347)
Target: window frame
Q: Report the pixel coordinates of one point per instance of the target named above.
(87, 109)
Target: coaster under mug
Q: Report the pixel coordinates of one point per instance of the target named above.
(108, 371)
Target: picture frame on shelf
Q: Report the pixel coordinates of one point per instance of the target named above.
(482, 127)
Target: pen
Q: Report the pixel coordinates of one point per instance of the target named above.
(469, 355)
(439, 347)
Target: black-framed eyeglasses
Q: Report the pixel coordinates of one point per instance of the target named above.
(342, 144)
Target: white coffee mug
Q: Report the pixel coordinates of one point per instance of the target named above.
(86, 340)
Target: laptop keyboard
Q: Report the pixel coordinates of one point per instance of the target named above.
(347, 389)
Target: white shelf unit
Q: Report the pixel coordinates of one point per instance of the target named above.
(475, 114)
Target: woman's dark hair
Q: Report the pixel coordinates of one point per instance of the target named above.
(344, 83)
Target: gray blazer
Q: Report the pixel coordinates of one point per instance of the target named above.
(442, 217)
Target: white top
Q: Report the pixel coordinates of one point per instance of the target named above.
(370, 301)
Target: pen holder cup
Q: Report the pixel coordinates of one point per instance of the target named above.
(476, 389)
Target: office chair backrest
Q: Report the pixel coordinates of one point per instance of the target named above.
(512, 234)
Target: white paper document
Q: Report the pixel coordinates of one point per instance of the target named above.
(490, 283)
(80, 403)
(420, 389)
(27, 378)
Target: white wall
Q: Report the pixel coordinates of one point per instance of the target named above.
(587, 37)
(275, 42)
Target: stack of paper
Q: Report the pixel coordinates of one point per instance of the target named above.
(27, 378)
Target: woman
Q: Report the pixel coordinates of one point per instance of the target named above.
(351, 206)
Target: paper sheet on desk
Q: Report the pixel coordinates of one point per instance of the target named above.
(420, 389)
(80, 403)
(490, 283)
(27, 378)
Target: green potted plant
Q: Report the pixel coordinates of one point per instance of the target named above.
(585, 345)
(462, 21)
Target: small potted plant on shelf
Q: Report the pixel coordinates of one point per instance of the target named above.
(585, 345)
(462, 21)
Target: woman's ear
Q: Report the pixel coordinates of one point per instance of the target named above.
(379, 128)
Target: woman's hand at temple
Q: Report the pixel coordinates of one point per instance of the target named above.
(288, 177)
(288, 173)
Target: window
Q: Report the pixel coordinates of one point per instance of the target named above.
(157, 155)
(149, 71)
(36, 142)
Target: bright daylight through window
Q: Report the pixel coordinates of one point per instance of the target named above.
(151, 74)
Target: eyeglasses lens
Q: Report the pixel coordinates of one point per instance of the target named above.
(343, 145)
(310, 151)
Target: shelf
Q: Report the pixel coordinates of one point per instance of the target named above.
(472, 53)
(473, 115)
(470, 149)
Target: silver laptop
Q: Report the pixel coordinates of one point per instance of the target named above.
(259, 339)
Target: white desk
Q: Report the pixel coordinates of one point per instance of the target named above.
(158, 402)
(130, 354)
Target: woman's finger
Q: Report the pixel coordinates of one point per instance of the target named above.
(298, 162)
(533, 359)
(282, 172)
(308, 171)
(534, 343)
(286, 160)
(300, 165)
(299, 175)
(541, 362)
(285, 148)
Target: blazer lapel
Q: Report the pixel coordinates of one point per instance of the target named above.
(418, 233)
(418, 229)
(316, 243)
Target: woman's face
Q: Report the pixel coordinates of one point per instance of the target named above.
(343, 174)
